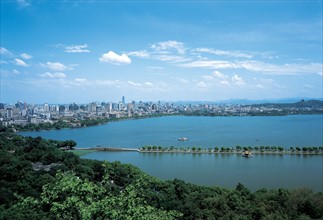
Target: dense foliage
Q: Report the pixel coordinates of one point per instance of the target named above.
(60, 124)
(89, 189)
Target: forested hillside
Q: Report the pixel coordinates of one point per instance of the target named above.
(40, 181)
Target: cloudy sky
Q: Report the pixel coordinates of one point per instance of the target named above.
(83, 51)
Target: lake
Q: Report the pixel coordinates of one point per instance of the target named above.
(286, 131)
(270, 171)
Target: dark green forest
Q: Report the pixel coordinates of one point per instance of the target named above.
(63, 186)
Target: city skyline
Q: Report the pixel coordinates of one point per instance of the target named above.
(84, 51)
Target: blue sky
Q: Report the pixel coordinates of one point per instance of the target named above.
(83, 51)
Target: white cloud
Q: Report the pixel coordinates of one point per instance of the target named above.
(112, 57)
(224, 82)
(108, 82)
(55, 66)
(182, 80)
(53, 75)
(237, 54)
(171, 44)
(217, 78)
(212, 64)
(77, 49)
(148, 84)
(145, 86)
(258, 66)
(19, 62)
(79, 82)
(154, 68)
(26, 56)
(270, 84)
(284, 69)
(171, 58)
(141, 54)
(134, 84)
(219, 75)
(15, 71)
(259, 86)
(308, 86)
(4, 51)
(23, 3)
(208, 77)
(202, 84)
(237, 80)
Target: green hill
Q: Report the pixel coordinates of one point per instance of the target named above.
(40, 181)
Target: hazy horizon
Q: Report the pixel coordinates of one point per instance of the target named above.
(83, 51)
(227, 101)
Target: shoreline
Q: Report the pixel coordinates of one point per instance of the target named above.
(156, 116)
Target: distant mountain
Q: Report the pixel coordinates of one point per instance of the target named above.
(299, 104)
(250, 102)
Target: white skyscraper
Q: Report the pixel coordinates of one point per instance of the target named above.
(46, 107)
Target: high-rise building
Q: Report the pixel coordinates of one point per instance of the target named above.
(23, 112)
(92, 107)
(9, 112)
(120, 106)
(109, 107)
(129, 106)
(46, 107)
(123, 100)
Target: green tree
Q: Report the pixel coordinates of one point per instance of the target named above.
(69, 197)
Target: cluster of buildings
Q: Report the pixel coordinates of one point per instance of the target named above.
(22, 113)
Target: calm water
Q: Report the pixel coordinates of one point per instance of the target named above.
(300, 130)
(223, 170)
(270, 171)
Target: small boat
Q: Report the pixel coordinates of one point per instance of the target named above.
(247, 154)
(183, 139)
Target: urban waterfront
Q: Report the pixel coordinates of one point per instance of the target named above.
(270, 171)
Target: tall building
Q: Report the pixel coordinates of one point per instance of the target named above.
(46, 107)
(123, 100)
(120, 106)
(92, 107)
(9, 112)
(109, 107)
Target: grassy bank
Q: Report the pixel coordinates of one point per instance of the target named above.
(82, 152)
